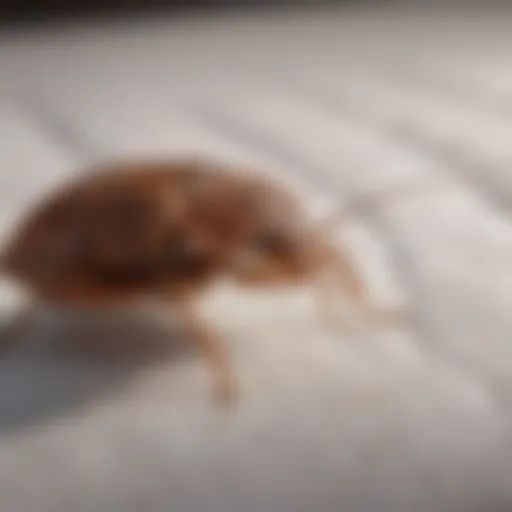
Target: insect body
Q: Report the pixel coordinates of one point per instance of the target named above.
(167, 230)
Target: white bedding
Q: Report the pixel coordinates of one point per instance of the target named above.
(339, 102)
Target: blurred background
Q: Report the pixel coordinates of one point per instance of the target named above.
(30, 10)
(337, 99)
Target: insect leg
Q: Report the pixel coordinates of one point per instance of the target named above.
(350, 280)
(225, 384)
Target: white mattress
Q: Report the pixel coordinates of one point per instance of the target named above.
(339, 102)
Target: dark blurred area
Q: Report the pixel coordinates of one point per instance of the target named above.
(23, 11)
(20, 11)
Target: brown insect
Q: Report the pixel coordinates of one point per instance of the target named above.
(168, 230)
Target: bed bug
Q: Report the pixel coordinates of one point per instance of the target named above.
(167, 230)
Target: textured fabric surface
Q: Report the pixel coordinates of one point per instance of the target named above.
(338, 102)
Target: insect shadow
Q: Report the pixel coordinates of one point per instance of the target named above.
(53, 363)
